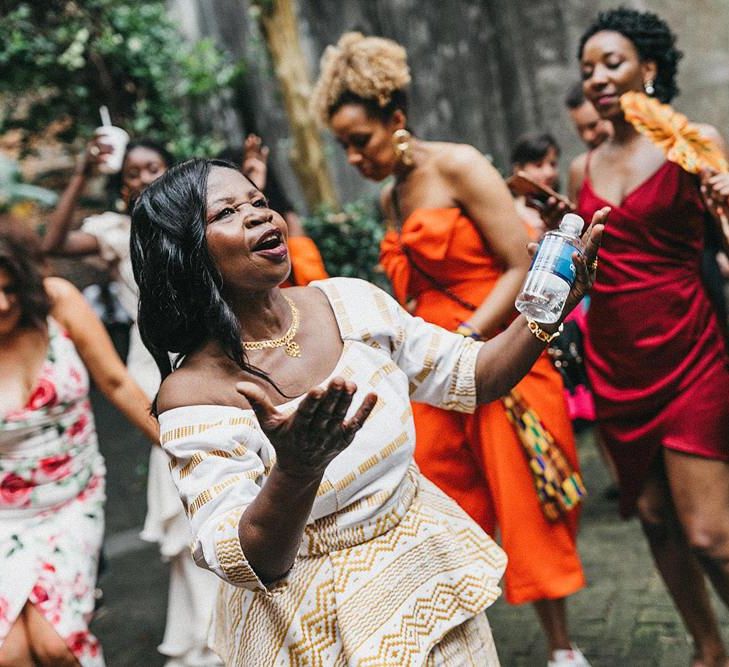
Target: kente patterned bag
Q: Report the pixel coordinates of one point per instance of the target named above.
(559, 487)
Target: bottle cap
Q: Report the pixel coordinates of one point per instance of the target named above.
(572, 224)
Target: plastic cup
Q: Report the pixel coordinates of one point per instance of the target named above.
(117, 139)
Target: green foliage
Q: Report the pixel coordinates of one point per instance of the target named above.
(61, 58)
(349, 241)
(13, 191)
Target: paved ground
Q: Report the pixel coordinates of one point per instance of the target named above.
(624, 617)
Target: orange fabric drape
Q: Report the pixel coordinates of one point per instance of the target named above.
(306, 262)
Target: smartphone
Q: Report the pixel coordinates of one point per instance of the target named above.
(536, 195)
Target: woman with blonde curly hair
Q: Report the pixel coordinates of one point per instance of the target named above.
(455, 253)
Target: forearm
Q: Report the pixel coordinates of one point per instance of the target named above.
(271, 528)
(132, 402)
(59, 222)
(498, 307)
(505, 359)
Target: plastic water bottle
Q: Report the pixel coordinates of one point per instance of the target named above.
(552, 272)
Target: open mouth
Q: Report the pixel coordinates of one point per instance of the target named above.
(269, 240)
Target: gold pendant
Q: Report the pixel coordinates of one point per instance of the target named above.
(293, 349)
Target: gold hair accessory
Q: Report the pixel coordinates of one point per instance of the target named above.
(541, 334)
(403, 150)
(593, 265)
(287, 342)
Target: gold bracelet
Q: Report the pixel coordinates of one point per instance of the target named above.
(541, 334)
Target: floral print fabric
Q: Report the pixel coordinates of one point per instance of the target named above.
(51, 502)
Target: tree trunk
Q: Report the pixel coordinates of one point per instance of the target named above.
(280, 29)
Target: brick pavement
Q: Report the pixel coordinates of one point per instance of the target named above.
(623, 619)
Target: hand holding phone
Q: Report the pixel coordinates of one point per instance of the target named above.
(536, 194)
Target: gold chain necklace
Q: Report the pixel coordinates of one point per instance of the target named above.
(287, 342)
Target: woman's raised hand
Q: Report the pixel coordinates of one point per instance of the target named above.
(585, 264)
(255, 160)
(308, 439)
(715, 189)
(92, 155)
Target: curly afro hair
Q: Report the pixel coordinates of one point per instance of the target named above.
(651, 37)
(372, 71)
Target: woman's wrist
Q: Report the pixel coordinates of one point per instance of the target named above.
(545, 333)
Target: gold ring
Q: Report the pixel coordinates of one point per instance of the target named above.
(94, 151)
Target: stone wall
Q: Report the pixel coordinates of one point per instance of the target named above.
(484, 71)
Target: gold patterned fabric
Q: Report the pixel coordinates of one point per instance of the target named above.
(388, 565)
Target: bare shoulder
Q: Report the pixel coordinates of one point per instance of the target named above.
(67, 302)
(455, 159)
(203, 379)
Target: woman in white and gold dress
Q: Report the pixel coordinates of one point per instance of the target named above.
(333, 548)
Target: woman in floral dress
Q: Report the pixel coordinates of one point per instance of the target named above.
(51, 471)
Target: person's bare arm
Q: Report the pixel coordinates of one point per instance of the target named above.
(482, 194)
(576, 176)
(97, 352)
(506, 358)
(58, 239)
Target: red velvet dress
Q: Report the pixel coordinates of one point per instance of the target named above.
(655, 354)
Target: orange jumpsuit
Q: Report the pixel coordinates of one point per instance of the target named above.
(306, 262)
(477, 459)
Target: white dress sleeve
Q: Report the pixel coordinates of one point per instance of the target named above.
(219, 458)
(111, 231)
(440, 364)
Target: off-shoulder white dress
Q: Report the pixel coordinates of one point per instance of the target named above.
(390, 571)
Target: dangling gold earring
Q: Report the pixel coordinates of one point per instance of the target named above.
(649, 88)
(403, 150)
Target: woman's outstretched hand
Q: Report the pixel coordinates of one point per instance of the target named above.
(585, 264)
(308, 439)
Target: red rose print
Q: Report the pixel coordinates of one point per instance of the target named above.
(14, 490)
(78, 426)
(38, 595)
(55, 467)
(44, 394)
(82, 642)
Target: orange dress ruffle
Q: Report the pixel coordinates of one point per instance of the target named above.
(477, 459)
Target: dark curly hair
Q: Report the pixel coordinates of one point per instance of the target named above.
(181, 305)
(21, 257)
(651, 37)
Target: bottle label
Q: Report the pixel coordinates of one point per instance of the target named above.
(556, 258)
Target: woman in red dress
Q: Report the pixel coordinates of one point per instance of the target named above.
(656, 357)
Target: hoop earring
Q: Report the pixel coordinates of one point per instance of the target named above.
(649, 88)
(401, 144)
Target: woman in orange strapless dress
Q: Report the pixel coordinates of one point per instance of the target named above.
(456, 257)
